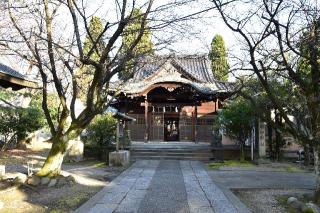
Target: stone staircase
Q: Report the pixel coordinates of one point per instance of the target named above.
(171, 151)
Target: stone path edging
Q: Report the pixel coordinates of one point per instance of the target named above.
(123, 193)
(164, 186)
(203, 194)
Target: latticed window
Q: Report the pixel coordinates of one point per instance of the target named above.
(205, 121)
(140, 120)
(158, 120)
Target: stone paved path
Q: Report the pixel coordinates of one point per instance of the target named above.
(162, 187)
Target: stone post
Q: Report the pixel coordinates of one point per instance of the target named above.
(2, 170)
(262, 139)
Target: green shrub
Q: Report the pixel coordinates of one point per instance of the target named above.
(101, 131)
(17, 123)
(99, 136)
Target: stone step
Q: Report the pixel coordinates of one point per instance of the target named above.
(204, 154)
(134, 158)
(170, 150)
(171, 154)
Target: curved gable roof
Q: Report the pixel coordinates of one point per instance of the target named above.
(195, 67)
(191, 70)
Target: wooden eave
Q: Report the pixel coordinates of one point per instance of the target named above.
(7, 80)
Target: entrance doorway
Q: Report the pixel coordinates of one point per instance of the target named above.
(171, 128)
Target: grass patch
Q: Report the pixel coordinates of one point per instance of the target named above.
(289, 168)
(100, 164)
(230, 163)
(292, 168)
(94, 163)
(282, 201)
(71, 202)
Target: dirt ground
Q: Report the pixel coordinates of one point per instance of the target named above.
(90, 175)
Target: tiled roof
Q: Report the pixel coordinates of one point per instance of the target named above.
(12, 78)
(191, 70)
(198, 67)
(8, 70)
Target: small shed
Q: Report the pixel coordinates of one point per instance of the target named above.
(14, 79)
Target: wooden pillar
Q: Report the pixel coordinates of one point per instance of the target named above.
(118, 135)
(216, 105)
(146, 134)
(195, 123)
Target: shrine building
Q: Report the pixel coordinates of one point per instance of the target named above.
(172, 98)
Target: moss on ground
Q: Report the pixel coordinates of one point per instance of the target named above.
(293, 168)
(282, 201)
(230, 163)
(94, 163)
(64, 204)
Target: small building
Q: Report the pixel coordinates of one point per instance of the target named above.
(172, 98)
(12, 78)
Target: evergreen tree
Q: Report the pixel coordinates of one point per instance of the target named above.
(144, 47)
(237, 119)
(95, 29)
(85, 74)
(218, 57)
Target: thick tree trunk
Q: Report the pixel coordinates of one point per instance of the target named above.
(270, 142)
(242, 155)
(277, 146)
(306, 155)
(317, 171)
(52, 165)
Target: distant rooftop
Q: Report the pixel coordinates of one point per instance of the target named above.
(14, 79)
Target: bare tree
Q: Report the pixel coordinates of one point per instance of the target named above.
(271, 32)
(49, 36)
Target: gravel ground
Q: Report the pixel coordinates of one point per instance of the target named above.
(264, 200)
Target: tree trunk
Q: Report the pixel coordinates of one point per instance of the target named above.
(270, 142)
(307, 150)
(277, 146)
(242, 156)
(52, 165)
(317, 171)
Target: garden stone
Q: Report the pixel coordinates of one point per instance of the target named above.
(291, 199)
(2, 170)
(307, 209)
(52, 183)
(70, 178)
(75, 151)
(45, 180)
(120, 158)
(297, 205)
(20, 178)
(62, 181)
(312, 206)
(34, 180)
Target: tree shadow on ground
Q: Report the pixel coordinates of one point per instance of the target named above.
(91, 176)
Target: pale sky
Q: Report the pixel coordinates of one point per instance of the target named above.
(190, 37)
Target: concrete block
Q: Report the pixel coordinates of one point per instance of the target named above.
(120, 158)
(75, 151)
(2, 170)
